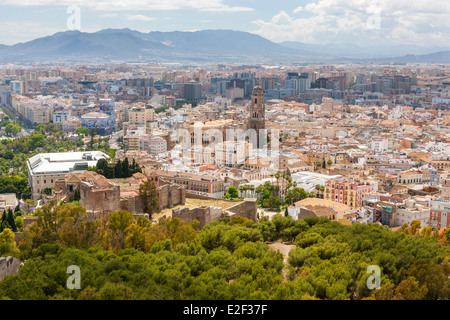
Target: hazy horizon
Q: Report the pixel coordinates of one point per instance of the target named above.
(212, 29)
(359, 22)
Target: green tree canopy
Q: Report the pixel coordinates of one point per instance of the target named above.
(148, 194)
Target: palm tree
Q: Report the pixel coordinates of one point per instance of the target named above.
(277, 176)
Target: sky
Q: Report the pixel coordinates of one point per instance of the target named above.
(360, 22)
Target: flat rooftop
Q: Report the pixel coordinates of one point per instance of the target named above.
(63, 162)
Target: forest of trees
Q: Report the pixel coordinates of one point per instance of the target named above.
(125, 258)
(120, 169)
(17, 184)
(11, 219)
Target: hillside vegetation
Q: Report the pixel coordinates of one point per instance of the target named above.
(123, 258)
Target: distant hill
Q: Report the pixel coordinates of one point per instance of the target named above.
(117, 44)
(353, 50)
(126, 45)
(436, 57)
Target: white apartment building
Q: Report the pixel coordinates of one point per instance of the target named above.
(412, 211)
(379, 145)
(152, 145)
(60, 115)
(16, 87)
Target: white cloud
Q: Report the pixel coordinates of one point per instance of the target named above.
(14, 32)
(109, 15)
(227, 9)
(298, 9)
(423, 22)
(108, 5)
(21, 32)
(281, 18)
(139, 17)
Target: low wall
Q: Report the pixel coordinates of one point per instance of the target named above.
(247, 209)
(198, 196)
(169, 195)
(204, 214)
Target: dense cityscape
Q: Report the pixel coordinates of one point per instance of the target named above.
(224, 181)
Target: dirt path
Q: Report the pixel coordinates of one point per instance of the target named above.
(284, 250)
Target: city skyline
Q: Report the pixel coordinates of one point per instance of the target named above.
(225, 150)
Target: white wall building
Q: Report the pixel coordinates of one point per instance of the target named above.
(60, 115)
(16, 87)
(45, 168)
(379, 145)
(412, 211)
(152, 145)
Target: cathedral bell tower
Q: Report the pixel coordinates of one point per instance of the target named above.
(257, 111)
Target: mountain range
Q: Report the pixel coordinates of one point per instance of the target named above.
(205, 46)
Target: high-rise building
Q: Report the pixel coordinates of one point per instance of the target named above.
(16, 87)
(392, 84)
(293, 84)
(192, 91)
(267, 83)
(5, 95)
